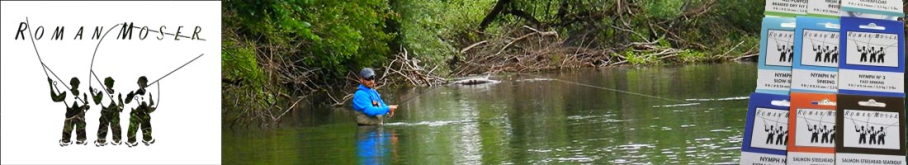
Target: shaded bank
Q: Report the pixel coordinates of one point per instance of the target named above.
(276, 50)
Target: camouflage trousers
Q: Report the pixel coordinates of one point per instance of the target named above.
(136, 121)
(76, 122)
(111, 118)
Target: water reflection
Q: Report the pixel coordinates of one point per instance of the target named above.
(529, 120)
(375, 145)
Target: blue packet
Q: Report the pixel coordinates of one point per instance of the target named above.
(872, 57)
(766, 131)
(776, 53)
(815, 67)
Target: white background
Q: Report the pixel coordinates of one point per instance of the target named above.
(754, 158)
(766, 79)
(892, 6)
(823, 7)
(187, 122)
(850, 79)
(890, 47)
(758, 137)
(808, 55)
(811, 158)
(801, 79)
(804, 135)
(876, 157)
(773, 43)
(851, 137)
(788, 6)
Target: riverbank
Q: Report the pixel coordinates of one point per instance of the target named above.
(274, 51)
(525, 119)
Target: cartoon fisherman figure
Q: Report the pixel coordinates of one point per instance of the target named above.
(110, 115)
(75, 115)
(140, 116)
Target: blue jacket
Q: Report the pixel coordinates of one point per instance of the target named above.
(362, 101)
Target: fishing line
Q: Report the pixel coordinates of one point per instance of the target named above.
(777, 119)
(868, 123)
(102, 86)
(178, 68)
(420, 94)
(44, 66)
(579, 84)
(91, 67)
(616, 90)
(32, 37)
(764, 119)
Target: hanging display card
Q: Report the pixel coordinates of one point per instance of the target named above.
(766, 131)
(812, 121)
(873, 57)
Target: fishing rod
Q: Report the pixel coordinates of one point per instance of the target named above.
(417, 95)
(777, 119)
(853, 122)
(168, 74)
(45, 67)
(91, 67)
(55, 85)
(178, 68)
(821, 118)
(102, 86)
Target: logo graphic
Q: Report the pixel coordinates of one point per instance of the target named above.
(823, 48)
(871, 129)
(140, 114)
(770, 129)
(780, 48)
(816, 128)
(872, 49)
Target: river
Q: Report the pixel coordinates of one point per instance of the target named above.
(691, 114)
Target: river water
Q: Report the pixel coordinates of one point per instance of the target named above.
(691, 114)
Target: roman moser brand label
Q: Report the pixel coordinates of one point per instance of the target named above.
(126, 32)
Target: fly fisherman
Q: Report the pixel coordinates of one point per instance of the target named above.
(75, 115)
(368, 106)
(110, 115)
(140, 117)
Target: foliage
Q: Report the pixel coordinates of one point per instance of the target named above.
(274, 46)
(334, 36)
(431, 29)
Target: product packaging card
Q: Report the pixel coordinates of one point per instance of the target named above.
(871, 129)
(766, 131)
(823, 8)
(813, 120)
(873, 9)
(873, 57)
(815, 68)
(785, 8)
(776, 53)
